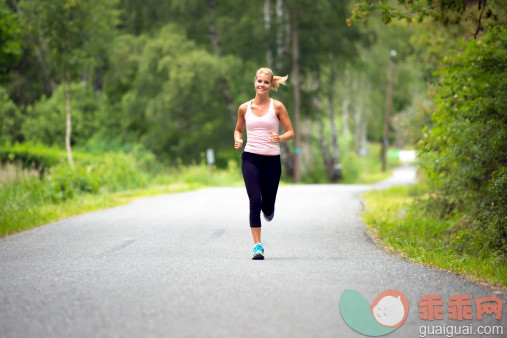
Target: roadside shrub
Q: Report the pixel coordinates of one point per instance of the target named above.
(37, 156)
(63, 182)
(464, 152)
(100, 145)
(46, 118)
(10, 118)
(118, 171)
(351, 166)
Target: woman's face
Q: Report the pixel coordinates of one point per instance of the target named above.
(262, 84)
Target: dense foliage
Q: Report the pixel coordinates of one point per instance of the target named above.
(170, 75)
(464, 150)
(463, 144)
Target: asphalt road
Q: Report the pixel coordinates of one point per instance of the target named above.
(180, 266)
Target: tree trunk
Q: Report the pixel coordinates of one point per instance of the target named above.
(267, 26)
(331, 158)
(297, 94)
(345, 112)
(39, 53)
(364, 140)
(334, 172)
(215, 42)
(345, 105)
(388, 115)
(287, 159)
(324, 147)
(306, 145)
(283, 34)
(68, 130)
(282, 45)
(358, 112)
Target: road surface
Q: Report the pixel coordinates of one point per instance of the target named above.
(179, 266)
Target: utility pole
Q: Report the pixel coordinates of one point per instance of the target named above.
(388, 110)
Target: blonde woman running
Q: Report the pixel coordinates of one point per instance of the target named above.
(260, 163)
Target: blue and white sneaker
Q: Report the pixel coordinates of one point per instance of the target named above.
(258, 251)
(269, 218)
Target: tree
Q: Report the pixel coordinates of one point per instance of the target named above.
(170, 94)
(90, 113)
(480, 13)
(72, 32)
(10, 40)
(325, 43)
(10, 119)
(463, 147)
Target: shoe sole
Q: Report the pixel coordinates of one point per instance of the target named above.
(258, 256)
(269, 219)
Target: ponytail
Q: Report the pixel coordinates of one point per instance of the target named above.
(278, 80)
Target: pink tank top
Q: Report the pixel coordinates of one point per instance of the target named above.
(257, 131)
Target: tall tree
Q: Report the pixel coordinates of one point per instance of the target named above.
(74, 32)
(297, 92)
(215, 42)
(462, 149)
(10, 40)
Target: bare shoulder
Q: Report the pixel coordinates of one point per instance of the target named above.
(242, 108)
(279, 107)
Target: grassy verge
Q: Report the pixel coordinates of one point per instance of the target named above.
(29, 199)
(48, 213)
(368, 168)
(356, 169)
(398, 223)
(26, 201)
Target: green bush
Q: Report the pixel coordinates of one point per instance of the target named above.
(46, 118)
(351, 166)
(63, 182)
(31, 156)
(100, 145)
(118, 171)
(37, 156)
(107, 170)
(464, 152)
(10, 118)
(405, 224)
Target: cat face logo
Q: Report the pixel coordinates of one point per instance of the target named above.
(387, 312)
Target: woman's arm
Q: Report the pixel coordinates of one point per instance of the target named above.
(240, 126)
(283, 116)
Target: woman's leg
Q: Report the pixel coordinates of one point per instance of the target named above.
(270, 179)
(256, 233)
(251, 175)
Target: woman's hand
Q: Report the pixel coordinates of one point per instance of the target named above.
(274, 137)
(238, 143)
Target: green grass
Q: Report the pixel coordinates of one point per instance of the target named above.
(24, 202)
(105, 180)
(356, 169)
(24, 219)
(399, 224)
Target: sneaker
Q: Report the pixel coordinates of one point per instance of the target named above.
(269, 218)
(258, 251)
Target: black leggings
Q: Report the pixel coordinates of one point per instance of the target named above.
(261, 175)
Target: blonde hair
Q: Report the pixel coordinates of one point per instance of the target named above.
(275, 80)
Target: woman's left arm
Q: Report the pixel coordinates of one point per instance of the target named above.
(283, 116)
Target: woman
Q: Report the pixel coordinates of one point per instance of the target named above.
(261, 158)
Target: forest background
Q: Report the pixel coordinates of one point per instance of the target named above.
(114, 95)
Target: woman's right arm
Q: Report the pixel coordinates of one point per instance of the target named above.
(240, 126)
